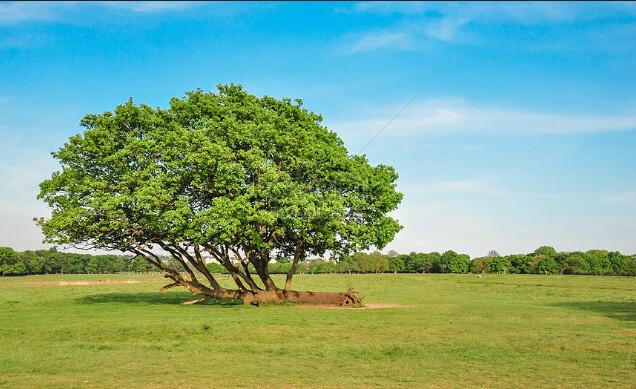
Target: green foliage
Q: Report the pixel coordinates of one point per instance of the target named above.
(545, 251)
(364, 263)
(546, 260)
(280, 268)
(216, 169)
(548, 266)
(396, 264)
(500, 265)
(522, 264)
(216, 268)
(572, 263)
(480, 265)
(454, 263)
(598, 262)
(622, 264)
(10, 263)
(53, 261)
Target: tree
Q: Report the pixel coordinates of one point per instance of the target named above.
(480, 265)
(446, 259)
(412, 262)
(522, 264)
(396, 264)
(10, 263)
(138, 265)
(241, 178)
(622, 264)
(499, 265)
(548, 265)
(572, 263)
(598, 261)
(32, 262)
(455, 263)
(546, 251)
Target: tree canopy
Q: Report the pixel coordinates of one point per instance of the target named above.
(243, 178)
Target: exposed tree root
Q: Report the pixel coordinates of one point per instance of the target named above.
(199, 300)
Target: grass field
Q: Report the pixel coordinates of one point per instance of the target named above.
(453, 331)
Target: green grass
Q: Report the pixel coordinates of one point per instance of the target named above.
(459, 331)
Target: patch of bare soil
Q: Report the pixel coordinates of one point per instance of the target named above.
(366, 306)
(384, 306)
(83, 283)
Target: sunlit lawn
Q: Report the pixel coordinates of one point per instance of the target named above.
(451, 331)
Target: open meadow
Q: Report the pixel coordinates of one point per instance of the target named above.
(448, 331)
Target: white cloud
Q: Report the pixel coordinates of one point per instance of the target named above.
(391, 7)
(444, 22)
(148, 6)
(379, 40)
(503, 12)
(446, 29)
(14, 12)
(446, 116)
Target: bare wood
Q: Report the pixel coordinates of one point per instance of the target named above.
(169, 286)
(192, 302)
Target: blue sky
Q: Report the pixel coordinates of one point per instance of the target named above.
(522, 132)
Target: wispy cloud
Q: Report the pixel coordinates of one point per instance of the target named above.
(15, 12)
(445, 22)
(526, 13)
(378, 40)
(148, 6)
(622, 198)
(451, 115)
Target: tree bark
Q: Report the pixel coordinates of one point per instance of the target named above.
(294, 265)
(349, 298)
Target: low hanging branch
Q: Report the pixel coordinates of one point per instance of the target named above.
(241, 178)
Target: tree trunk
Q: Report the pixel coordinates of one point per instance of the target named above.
(349, 298)
(334, 299)
(290, 275)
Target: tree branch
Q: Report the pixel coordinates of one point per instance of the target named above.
(199, 264)
(235, 273)
(174, 284)
(176, 255)
(292, 270)
(245, 265)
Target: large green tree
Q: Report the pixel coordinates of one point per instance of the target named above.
(227, 175)
(10, 263)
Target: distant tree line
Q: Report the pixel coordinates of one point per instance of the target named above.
(52, 261)
(544, 260)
